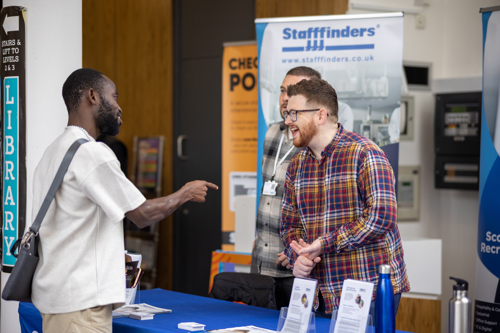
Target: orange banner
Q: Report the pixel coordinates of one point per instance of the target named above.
(239, 131)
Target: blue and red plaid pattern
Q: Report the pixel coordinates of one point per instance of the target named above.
(347, 200)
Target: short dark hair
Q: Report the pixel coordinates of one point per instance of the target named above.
(79, 82)
(304, 71)
(316, 91)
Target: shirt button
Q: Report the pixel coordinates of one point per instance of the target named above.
(267, 224)
(265, 245)
(268, 203)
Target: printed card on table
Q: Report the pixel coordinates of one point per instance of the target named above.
(300, 306)
(354, 308)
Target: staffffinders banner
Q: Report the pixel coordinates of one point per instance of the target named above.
(239, 130)
(359, 55)
(487, 305)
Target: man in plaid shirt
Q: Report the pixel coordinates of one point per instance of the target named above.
(339, 216)
(267, 255)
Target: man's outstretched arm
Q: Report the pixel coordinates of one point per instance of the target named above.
(155, 210)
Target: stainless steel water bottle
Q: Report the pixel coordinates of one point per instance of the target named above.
(385, 319)
(460, 308)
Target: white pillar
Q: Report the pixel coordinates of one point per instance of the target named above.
(53, 51)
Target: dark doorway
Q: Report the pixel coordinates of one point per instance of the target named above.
(200, 29)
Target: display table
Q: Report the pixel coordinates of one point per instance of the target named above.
(215, 314)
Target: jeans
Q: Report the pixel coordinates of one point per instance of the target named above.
(283, 291)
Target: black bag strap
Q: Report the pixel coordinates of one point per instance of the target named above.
(55, 184)
(33, 230)
(15, 247)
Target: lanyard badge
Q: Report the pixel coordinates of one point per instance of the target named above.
(271, 186)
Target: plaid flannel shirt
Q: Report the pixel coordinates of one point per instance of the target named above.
(347, 201)
(268, 242)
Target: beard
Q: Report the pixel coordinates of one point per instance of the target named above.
(305, 135)
(107, 121)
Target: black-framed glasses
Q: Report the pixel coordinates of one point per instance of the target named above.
(293, 113)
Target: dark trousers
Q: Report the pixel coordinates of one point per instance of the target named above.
(283, 290)
(320, 312)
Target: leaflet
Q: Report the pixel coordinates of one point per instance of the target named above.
(126, 310)
(354, 307)
(300, 306)
(133, 274)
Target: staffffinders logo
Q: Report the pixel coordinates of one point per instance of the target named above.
(316, 36)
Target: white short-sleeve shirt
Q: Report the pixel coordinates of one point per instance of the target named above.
(82, 263)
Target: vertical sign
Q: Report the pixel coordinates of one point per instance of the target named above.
(239, 130)
(12, 73)
(487, 292)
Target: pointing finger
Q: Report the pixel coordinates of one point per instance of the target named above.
(212, 186)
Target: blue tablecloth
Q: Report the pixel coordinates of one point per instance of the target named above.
(215, 314)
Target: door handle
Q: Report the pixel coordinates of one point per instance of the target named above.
(180, 151)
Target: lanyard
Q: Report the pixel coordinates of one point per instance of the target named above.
(276, 163)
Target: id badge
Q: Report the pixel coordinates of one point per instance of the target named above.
(270, 188)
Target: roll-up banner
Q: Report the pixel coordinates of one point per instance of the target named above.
(359, 55)
(487, 292)
(239, 130)
(13, 76)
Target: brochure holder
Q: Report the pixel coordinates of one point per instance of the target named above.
(281, 322)
(132, 279)
(369, 323)
(133, 295)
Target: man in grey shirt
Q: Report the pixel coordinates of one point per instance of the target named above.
(267, 254)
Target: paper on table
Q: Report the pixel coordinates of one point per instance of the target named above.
(141, 316)
(126, 310)
(354, 306)
(191, 326)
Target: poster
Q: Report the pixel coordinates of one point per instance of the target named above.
(148, 164)
(359, 55)
(487, 292)
(239, 131)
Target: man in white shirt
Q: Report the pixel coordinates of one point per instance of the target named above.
(81, 271)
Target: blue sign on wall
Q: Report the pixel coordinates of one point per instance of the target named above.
(10, 203)
(487, 291)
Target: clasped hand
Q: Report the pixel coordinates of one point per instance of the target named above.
(308, 257)
(282, 260)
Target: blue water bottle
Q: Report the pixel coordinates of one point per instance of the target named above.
(385, 320)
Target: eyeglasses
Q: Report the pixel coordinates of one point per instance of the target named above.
(293, 113)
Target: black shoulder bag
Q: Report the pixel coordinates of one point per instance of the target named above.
(18, 286)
